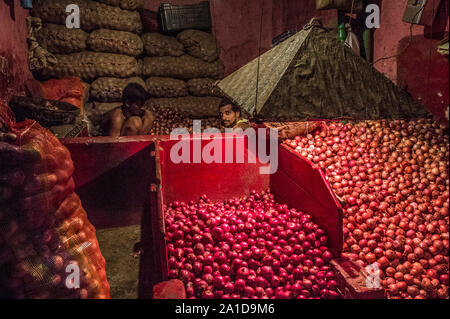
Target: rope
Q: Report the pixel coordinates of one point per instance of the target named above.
(259, 60)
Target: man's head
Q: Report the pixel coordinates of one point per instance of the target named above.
(229, 113)
(135, 95)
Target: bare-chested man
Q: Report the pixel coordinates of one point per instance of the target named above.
(131, 118)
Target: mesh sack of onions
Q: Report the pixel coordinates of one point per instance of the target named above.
(156, 44)
(91, 65)
(111, 41)
(109, 89)
(189, 106)
(184, 67)
(392, 177)
(248, 247)
(166, 87)
(200, 44)
(203, 87)
(45, 235)
(93, 15)
(58, 39)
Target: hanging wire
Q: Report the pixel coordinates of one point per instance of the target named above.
(259, 60)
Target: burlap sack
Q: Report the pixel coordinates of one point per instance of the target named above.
(132, 4)
(111, 89)
(91, 65)
(184, 67)
(190, 106)
(345, 5)
(156, 44)
(39, 58)
(93, 15)
(124, 4)
(58, 39)
(115, 3)
(293, 129)
(200, 44)
(166, 87)
(203, 87)
(111, 41)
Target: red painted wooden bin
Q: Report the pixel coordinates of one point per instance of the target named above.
(126, 181)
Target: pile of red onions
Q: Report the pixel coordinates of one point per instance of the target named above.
(247, 248)
(168, 120)
(393, 178)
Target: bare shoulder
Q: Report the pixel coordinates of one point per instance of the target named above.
(116, 113)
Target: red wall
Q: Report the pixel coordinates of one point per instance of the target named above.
(236, 24)
(418, 67)
(13, 47)
(393, 30)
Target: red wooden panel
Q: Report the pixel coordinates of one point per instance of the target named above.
(312, 179)
(294, 195)
(93, 157)
(220, 181)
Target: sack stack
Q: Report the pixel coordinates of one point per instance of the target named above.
(109, 52)
(103, 52)
(181, 72)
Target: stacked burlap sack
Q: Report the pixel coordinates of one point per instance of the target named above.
(103, 52)
(181, 72)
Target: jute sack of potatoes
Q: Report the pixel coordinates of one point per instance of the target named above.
(111, 89)
(58, 39)
(111, 41)
(156, 44)
(91, 65)
(124, 4)
(184, 67)
(115, 3)
(203, 87)
(96, 110)
(132, 4)
(200, 44)
(166, 87)
(190, 106)
(93, 15)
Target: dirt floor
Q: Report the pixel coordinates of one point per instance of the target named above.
(122, 263)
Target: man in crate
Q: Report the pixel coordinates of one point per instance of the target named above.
(231, 115)
(131, 118)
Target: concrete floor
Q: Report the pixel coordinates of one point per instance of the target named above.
(122, 263)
